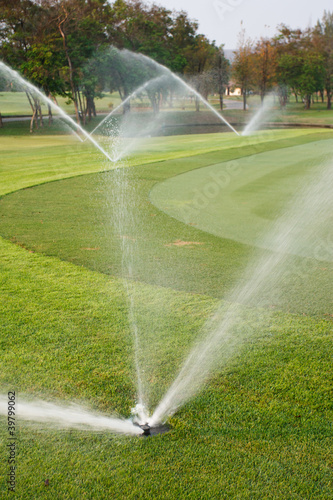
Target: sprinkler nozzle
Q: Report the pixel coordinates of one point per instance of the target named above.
(146, 429)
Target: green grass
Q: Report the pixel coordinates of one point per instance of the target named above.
(171, 122)
(16, 103)
(253, 195)
(261, 429)
(251, 190)
(294, 113)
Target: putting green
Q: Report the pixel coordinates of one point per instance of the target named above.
(239, 199)
(207, 255)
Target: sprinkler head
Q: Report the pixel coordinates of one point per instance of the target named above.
(152, 431)
(146, 429)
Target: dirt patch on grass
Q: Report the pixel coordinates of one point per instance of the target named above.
(180, 243)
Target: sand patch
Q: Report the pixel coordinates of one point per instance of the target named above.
(180, 243)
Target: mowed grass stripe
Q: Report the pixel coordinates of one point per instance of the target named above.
(165, 251)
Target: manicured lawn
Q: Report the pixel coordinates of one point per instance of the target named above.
(254, 192)
(261, 428)
(16, 103)
(176, 120)
(294, 113)
(168, 122)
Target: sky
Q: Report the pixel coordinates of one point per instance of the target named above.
(220, 20)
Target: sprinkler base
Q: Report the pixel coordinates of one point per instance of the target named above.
(148, 431)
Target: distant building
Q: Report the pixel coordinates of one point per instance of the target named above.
(232, 90)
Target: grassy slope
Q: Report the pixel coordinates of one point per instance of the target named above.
(28, 161)
(29, 218)
(252, 434)
(295, 113)
(31, 160)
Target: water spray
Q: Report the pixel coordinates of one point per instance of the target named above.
(14, 74)
(191, 89)
(122, 104)
(259, 118)
(168, 72)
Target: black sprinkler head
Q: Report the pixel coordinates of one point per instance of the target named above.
(146, 429)
(152, 431)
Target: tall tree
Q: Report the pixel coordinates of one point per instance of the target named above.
(183, 37)
(299, 63)
(27, 44)
(221, 72)
(201, 58)
(167, 37)
(243, 66)
(264, 59)
(311, 79)
(52, 40)
(81, 30)
(124, 71)
(323, 41)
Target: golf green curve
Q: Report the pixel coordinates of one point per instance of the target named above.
(238, 200)
(168, 252)
(262, 427)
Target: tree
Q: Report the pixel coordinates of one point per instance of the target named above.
(183, 36)
(204, 84)
(299, 63)
(142, 28)
(311, 79)
(243, 67)
(288, 45)
(50, 41)
(81, 30)
(323, 41)
(124, 71)
(18, 20)
(165, 36)
(27, 44)
(221, 74)
(56, 44)
(200, 62)
(264, 70)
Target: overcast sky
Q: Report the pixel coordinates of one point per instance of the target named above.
(220, 20)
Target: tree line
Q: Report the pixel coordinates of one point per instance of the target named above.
(69, 48)
(294, 61)
(65, 48)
